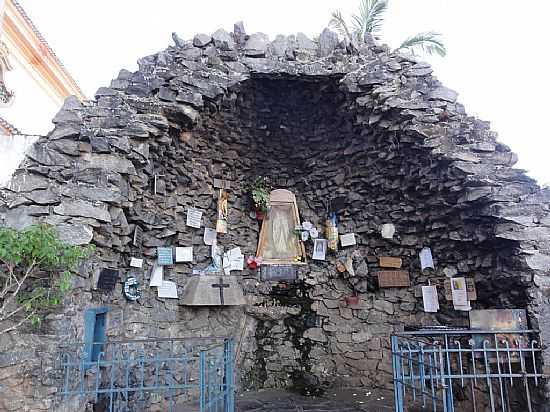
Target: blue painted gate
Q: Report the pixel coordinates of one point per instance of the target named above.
(188, 374)
(448, 370)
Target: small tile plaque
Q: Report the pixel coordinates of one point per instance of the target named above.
(390, 262)
(165, 256)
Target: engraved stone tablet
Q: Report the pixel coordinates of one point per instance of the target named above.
(393, 278)
(211, 290)
(278, 272)
(107, 279)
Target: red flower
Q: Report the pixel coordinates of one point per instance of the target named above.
(253, 262)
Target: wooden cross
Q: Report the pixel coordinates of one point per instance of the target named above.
(221, 285)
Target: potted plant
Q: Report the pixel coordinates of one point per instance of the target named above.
(259, 191)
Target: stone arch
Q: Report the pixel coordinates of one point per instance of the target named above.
(374, 129)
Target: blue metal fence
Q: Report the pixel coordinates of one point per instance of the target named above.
(440, 370)
(137, 375)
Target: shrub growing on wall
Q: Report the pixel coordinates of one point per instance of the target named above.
(35, 274)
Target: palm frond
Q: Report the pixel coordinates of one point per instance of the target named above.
(337, 21)
(427, 42)
(358, 26)
(371, 16)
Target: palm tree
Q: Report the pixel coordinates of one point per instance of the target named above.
(370, 20)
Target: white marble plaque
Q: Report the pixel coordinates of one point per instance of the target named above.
(236, 258)
(426, 260)
(387, 230)
(194, 217)
(136, 263)
(347, 239)
(184, 254)
(430, 299)
(168, 290)
(210, 236)
(236, 251)
(157, 274)
(233, 259)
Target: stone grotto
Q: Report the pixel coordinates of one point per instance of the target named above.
(368, 134)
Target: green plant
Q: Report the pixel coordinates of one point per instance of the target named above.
(259, 190)
(428, 42)
(35, 273)
(370, 20)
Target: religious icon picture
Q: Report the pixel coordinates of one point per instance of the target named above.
(320, 249)
(221, 222)
(279, 243)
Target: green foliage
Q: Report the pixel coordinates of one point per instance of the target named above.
(428, 42)
(35, 273)
(38, 244)
(370, 17)
(339, 23)
(370, 20)
(259, 190)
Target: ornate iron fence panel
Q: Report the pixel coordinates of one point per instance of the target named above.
(455, 370)
(154, 374)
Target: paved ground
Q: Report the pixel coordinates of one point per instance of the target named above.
(342, 400)
(359, 400)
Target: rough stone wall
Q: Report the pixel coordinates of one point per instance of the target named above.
(369, 126)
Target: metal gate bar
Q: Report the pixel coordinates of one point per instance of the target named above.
(494, 365)
(133, 374)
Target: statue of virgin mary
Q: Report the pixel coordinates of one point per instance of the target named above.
(283, 243)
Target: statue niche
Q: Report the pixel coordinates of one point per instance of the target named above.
(278, 242)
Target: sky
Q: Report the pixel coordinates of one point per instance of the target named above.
(497, 49)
